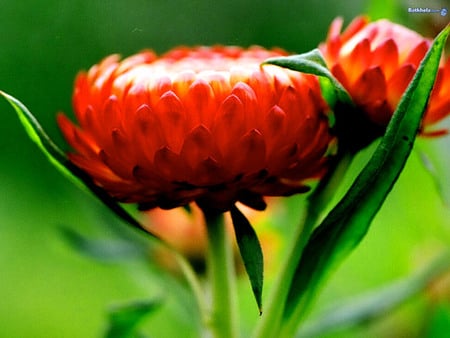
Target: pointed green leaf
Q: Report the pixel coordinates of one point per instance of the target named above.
(124, 320)
(57, 157)
(37, 134)
(251, 253)
(348, 222)
(312, 63)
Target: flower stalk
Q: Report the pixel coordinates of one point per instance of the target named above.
(222, 321)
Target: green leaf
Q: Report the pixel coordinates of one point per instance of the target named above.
(105, 250)
(124, 320)
(251, 253)
(313, 63)
(374, 304)
(42, 140)
(57, 157)
(346, 225)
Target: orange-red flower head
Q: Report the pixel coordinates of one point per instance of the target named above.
(204, 124)
(376, 61)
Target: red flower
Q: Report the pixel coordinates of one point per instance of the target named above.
(375, 63)
(206, 124)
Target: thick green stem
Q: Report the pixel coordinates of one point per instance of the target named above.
(271, 321)
(223, 316)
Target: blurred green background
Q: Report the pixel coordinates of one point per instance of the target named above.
(47, 289)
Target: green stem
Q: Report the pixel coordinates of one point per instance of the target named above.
(223, 316)
(271, 321)
(193, 282)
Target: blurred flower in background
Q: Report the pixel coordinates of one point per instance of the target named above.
(184, 229)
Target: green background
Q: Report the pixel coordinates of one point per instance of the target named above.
(47, 289)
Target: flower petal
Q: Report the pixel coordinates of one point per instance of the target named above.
(200, 103)
(171, 114)
(197, 147)
(398, 82)
(370, 87)
(169, 164)
(386, 56)
(229, 123)
(357, 60)
(249, 155)
(249, 102)
(417, 54)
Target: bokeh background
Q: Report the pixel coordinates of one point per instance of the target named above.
(49, 289)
